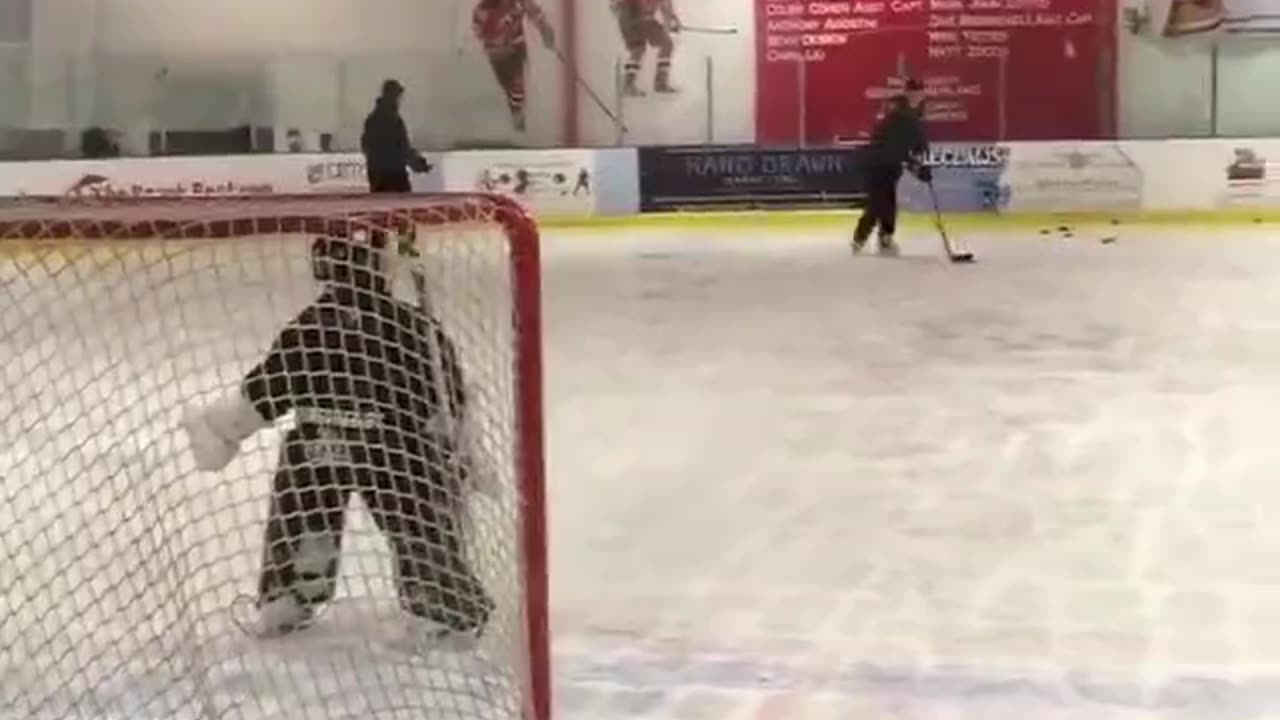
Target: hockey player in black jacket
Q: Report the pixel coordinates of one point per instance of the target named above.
(379, 409)
(897, 140)
(386, 146)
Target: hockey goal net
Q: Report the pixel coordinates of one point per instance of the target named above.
(126, 570)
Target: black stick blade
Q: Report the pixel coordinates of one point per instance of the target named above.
(964, 257)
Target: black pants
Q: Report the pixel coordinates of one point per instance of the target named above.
(383, 181)
(881, 209)
(415, 504)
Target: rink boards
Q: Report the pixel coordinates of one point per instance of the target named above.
(1220, 180)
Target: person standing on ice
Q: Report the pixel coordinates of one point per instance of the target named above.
(376, 391)
(388, 154)
(898, 140)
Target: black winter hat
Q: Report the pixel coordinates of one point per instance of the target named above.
(392, 88)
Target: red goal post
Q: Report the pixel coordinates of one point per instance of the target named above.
(121, 560)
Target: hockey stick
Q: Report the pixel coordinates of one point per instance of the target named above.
(708, 30)
(590, 93)
(952, 255)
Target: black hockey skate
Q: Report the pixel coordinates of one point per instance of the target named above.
(454, 628)
(886, 246)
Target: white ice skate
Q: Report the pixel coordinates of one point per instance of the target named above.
(277, 617)
(284, 615)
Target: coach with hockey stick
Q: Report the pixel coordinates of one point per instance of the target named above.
(388, 154)
(898, 140)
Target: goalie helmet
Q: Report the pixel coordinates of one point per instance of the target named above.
(353, 261)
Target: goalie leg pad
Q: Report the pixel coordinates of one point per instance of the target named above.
(435, 582)
(315, 564)
(303, 539)
(422, 518)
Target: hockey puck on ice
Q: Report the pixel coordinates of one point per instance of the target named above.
(1108, 240)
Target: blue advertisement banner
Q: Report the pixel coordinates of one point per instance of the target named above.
(966, 178)
(746, 176)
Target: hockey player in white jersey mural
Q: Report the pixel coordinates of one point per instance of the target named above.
(1188, 17)
(1251, 16)
(645, 23)
(1194, 18)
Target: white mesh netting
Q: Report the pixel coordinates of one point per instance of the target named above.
(125, 569)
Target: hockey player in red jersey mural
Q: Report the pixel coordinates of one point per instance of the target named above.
(644, 23)
(499, 26)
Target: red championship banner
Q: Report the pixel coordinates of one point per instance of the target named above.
(993, 69)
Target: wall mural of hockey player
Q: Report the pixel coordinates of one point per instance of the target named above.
(645, 23)
(1190, 18)
(377, 396)
(499, 25)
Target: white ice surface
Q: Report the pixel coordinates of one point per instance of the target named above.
(790, 484)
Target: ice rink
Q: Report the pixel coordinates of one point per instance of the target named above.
(790, 484)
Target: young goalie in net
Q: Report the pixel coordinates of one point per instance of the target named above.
(379, 409)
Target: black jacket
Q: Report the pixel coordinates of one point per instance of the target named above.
(898, 137)
(385, 140)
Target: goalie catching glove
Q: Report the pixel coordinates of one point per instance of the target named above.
(216, 431)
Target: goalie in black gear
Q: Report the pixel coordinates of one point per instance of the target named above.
(379, 409)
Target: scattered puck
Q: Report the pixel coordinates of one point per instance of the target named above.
(1064, 228)
(1044, 231)
(1108, 240)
